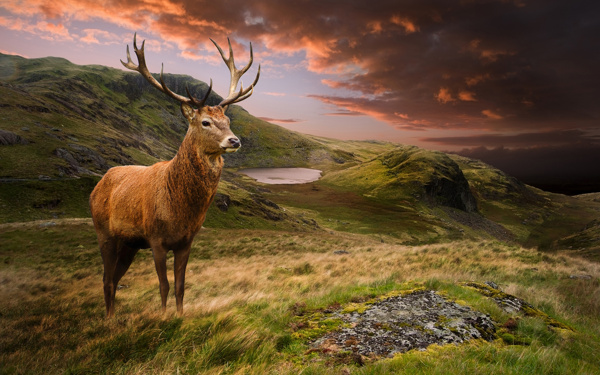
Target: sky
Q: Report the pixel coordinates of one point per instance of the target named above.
(515, 83)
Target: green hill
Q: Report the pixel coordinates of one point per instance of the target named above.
(63, 125)
(281, 277)
(60, 121)
(80, 120)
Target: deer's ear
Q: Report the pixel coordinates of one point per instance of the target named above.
(188, 112)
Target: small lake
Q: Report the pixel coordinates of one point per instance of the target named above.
(282, 175)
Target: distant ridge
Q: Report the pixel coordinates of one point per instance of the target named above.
(63, 125)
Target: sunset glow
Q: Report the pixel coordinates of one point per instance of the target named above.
(452, 75)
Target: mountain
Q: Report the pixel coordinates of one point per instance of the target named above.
(89, 118)
(63, 125)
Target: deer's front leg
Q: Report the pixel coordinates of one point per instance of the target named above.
(160, 262)
(181, 260)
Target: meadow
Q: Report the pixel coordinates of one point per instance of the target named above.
(271, 262)
(247, 290)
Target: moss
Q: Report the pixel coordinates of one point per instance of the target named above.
(513, 339)
(527, 309)
(317, 326)
(355, 307)
(533, 312)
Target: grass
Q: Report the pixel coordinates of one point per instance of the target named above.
(262, 270)
(246, 289)
(25, 200)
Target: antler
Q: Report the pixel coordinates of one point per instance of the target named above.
(236, 96)
(143, 70)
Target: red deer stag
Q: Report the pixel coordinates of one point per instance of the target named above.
(164, 205)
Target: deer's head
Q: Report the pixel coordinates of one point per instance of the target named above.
(209, 125)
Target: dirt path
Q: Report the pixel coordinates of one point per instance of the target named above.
(46, 223)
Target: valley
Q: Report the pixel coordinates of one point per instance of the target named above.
(272, 261)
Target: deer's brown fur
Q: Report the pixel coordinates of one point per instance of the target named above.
(164, 205)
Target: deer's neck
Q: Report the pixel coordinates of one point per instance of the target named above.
(193, 176)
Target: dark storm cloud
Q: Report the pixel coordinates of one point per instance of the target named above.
(472, 65)
(526, 71)
(526, 65)
(569, 168)
(547, 138)
(498, 65)
(561, 160)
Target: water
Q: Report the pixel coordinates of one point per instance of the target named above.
(282, 175)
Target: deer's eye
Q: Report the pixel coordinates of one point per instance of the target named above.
(205, 123)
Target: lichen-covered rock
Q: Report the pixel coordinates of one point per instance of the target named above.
(514, 305)
(401, 323)
(8, 138)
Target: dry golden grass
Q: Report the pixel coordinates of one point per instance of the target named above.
(241, 287)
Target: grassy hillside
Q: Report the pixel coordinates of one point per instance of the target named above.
(255, 299)
(80, 120)
(62, 126)
(278, 266)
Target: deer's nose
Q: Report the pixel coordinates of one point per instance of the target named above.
(235, 142)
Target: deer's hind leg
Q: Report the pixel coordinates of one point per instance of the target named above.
(108, 249)
(117, 258)
(124, 258)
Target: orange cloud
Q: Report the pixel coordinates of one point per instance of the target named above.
(375, 27)
(467, 96)
(444, 96)
(487, 54)
(409, 26)
(398, 61)
(11, 24)
(491, 114)
(474, 80)
(93, 36)
(492, 55)
(50, 31)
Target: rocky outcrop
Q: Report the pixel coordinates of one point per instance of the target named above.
(411, 320)
(453, 192)
(435, 177)
(8, 138)
(79, 158)
(405, 322)
(90, 157)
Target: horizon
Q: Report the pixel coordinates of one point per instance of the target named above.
(512, 83)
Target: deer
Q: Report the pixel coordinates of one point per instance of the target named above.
(163, 206)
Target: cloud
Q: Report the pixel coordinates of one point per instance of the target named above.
(487, 55)
(566, 168)
(470, 65)
(284, 121)
(96, 36)
(45, 30)
(407, 24)
(467, 96)
(491, 114)
(6, 52)
(444, 96)
(344, 113)
(474, 80)
(520, 140)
